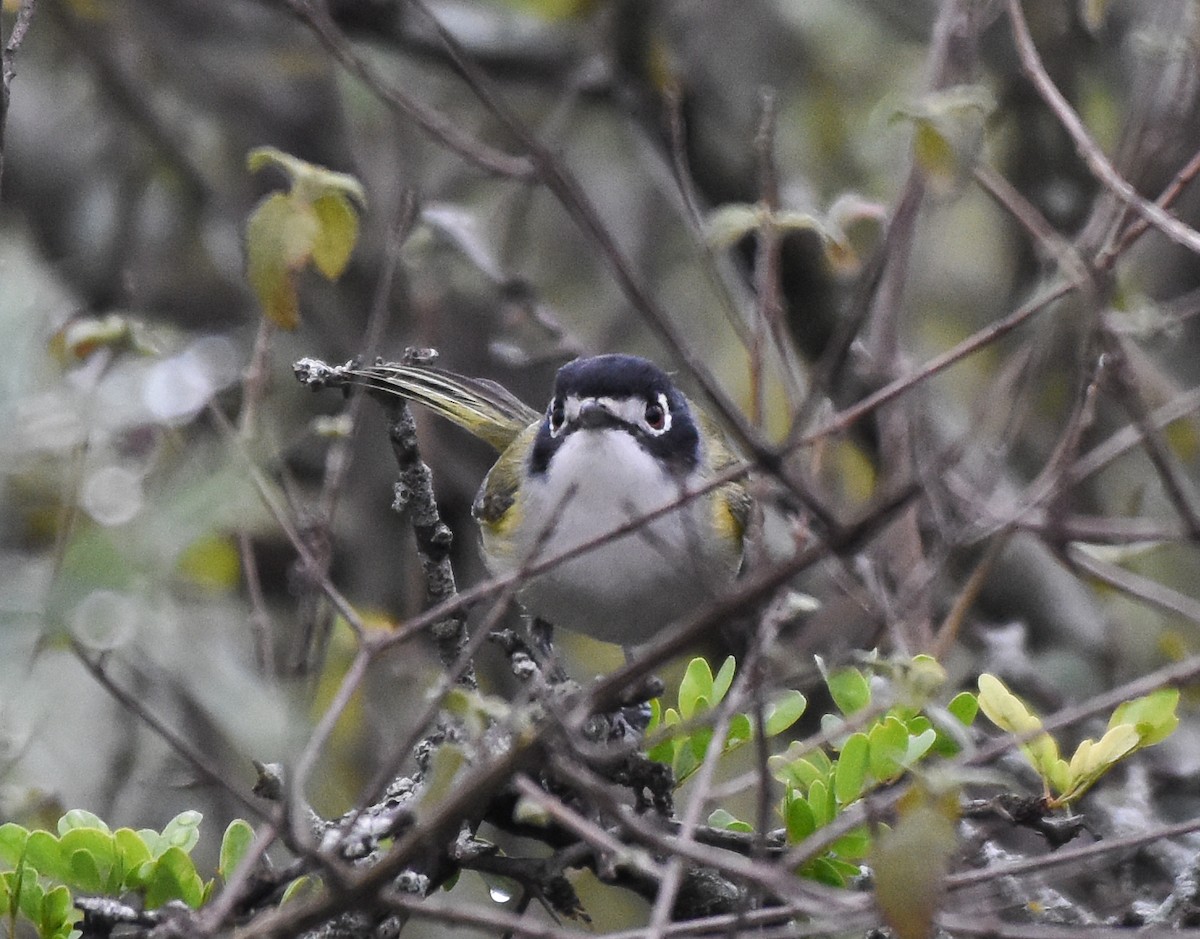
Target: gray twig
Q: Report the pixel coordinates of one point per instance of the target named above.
(8, 71)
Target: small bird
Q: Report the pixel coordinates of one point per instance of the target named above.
(618, 441)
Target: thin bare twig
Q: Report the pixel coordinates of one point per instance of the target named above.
(1052, 244)
(1134, 585)
(766, 265)
(1140, 225)
(1087, 148)
(716, 268)
(565, 187)
(316, 15)
(972, 344)
(197, 760)
(1174, 482)
(8, 69)
(1126, 439)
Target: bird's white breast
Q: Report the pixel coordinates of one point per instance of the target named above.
(628, 588)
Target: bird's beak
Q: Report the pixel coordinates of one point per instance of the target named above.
(594, 415)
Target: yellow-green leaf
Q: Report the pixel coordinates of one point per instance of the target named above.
(1153, 715)
(308, 180)
(933, 152)
(1003, 708)
(235, 844)
(850, 779)
(723, 679)
(697, 685)
(783, 711)
(336, 234)
(279, 239)
(850, 689)
(1093, 757)
(1057, 775)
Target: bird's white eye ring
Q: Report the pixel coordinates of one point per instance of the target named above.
(558, 416)
(657, 415)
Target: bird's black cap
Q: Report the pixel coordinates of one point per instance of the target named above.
(613, 375)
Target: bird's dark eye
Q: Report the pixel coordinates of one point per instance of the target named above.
(558, 414)
(656, 415)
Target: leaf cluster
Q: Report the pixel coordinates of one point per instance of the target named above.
(820, 781)
(314, 222)
(41, 872)
(1133, 725)
(687, 736)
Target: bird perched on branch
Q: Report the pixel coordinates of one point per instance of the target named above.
(619, 448)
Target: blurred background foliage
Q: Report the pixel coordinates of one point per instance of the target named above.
(140, 514)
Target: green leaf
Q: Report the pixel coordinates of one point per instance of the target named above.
(723, 680)
(1003, 708)
(336, 234)
(854, 845)
(44, 853)
(1042, 753)
(800, 768)
(741, 731)
(685, 763)
(91, 857)
(1057, 774)
(28, 892)
(663, 752)
(723, 820)
(850, 777)
(234, 844)
(783, 711)
(656, 714)
(824, 871)
(12, 843)
(183, 831)
(152, 840)
(139, 877)
(965, 707)
(845, 869)
(1153, 715)
(310, 179)
(1008, 712)
(84, 872)
(300, 888)
(918, 745)
(949, 129)
(174, 878)
(78, 818)
(820, 800)
(314, 222)
(798, 817)
(57, 907)
(923, 677)
(697, 683)
(1092, 759)
(279, 240)
(850, 689)
(889, 747)
(132, 852)
(698, 742)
